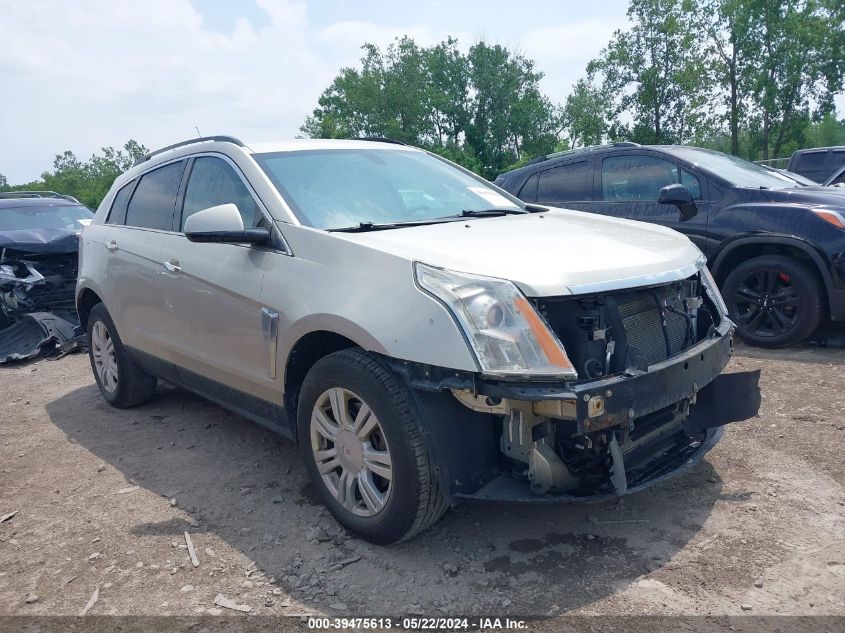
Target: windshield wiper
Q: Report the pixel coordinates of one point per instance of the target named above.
(493, 212)
(363, 227)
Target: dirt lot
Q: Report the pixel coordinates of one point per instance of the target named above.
(103, 498)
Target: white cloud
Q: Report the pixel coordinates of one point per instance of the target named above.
(83, 74)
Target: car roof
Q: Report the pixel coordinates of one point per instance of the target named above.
(817, 149)
(570, 154)
(14, 203)
(225, 144)
(314, 144)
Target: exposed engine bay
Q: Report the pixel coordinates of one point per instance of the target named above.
(37, 282)
(644, 357)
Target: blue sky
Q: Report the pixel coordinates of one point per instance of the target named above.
(91, 73)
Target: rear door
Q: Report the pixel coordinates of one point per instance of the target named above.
(628, 185)
(141, 215)
(569, 185)
(214, 290)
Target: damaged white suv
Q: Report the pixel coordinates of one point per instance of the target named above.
(424, 336)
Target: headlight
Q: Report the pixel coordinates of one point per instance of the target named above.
(713, 290)
(506, 333)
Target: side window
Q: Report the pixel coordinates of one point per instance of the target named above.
(568, 183)
(837, 160)
(214, 182)
(117, 213)
(811, 163)
(154, 200)
(636, 177)
(691, 182)
(528, 193)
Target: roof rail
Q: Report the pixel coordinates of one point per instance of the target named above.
(201, 139)
(587, 148)
(378, 139)
(38, 194)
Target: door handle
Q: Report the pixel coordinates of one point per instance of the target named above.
(173, 266)
(112, 246)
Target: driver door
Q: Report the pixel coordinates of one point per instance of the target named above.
(214, 289)
(628, 188)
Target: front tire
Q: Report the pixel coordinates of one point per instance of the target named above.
(363, 448)
(774, 301)
(122, 382)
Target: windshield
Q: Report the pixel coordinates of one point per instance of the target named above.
(738, 172)
(70, 217)
(333, 189)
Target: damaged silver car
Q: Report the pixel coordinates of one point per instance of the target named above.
(39, 235)
(424, 336)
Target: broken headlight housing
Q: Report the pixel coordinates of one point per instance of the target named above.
(506, 333)
(713, 290)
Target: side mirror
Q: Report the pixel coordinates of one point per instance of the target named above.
(679, 196)
(222, 224)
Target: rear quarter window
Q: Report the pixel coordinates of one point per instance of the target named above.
(117, 213)
(154, 201)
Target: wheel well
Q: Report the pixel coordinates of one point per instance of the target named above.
(87, 300)
(743, 253)
(307, 351)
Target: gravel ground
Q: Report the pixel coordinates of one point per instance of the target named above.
(104, 499)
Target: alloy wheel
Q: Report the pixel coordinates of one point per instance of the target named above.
(766, 303)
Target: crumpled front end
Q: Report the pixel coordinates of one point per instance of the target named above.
(37, 295)
(649, 400)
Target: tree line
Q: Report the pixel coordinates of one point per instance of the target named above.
(87, 181)
(755, 78)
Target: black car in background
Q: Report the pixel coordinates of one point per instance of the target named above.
(818, 163)
(776, 248)
(39, 257)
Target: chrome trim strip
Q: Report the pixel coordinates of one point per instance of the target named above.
(642, 280)
(270, 331)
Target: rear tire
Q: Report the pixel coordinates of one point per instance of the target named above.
(355, 413)
(122, 382)
(774, 300)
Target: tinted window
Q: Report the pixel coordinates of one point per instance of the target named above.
(529, 189)
(568, 183)
(154, 199)
(636, 177)
(117, 214)
(214, 182)
(691, 182)
(812, 162)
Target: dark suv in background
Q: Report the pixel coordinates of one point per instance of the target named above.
(819, 163)
(776, 248)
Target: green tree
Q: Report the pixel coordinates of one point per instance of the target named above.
(87, 181)
(586, 116)
(4, 184)
(484, 109)
(656, 72)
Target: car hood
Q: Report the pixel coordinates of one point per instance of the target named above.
(808, 196)
(547, 254)
(40, 240)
